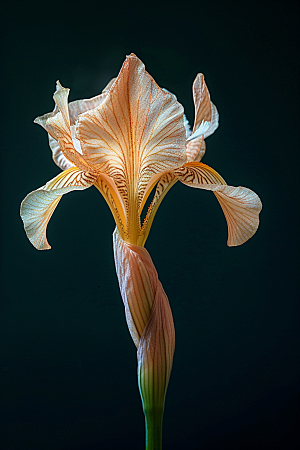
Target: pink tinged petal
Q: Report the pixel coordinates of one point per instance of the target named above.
(240, 205)
(195, 149)
(38, 207)
(137, 132)
(214, 122)
(206, 120)
(201, 101)
(149, 320)
(201, 152)
(194, 142)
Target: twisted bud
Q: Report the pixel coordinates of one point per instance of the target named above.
(150, 322)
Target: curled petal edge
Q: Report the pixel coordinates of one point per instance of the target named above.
(38, 206)
(240, 205)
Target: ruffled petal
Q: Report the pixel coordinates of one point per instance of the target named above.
(81, 106)
(138, 131)
(38, 207)
(206, 120)
(57, 124)
(58, 157)
(240, 205)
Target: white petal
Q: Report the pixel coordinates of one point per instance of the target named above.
(38, 207)
(187, 127)
(203, 128)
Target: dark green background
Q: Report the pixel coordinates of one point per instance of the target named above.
(68, 362)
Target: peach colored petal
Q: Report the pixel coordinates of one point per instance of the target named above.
(137, 132)
(240, 205)
(163, 186)
(81, 106)
(193, 148)
(57, 155)
(201, 101)
(214, 122)
(201, 152)
(206, 120)
(38, 207)
(57, 124)
(109, 85)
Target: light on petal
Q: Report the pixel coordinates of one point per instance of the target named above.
(38, 207)
(240, 205)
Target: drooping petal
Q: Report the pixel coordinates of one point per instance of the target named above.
(240, 205)
(138, 131)
(38, 207)
(150, 322)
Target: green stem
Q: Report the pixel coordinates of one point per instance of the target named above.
(153, 422)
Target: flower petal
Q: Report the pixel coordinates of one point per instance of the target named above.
(57, 124)
(165, 183)
(57, 155)
(214, 122)
(206, 120)
(201, 101)
(240, 205)
(38, 207)
(109, 85)
(81, 106)
(138, 131)
(187, 127)
(195, 149)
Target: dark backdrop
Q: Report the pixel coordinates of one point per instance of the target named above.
(68, 362)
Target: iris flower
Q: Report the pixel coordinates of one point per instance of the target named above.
(128, 140)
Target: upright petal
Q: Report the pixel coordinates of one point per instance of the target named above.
(38, 207)
(206, 120)
(201, 101)
(136, 132)
(214, 121)
(240, 205)
(57, 124)
(150, 323)
(81, 106)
